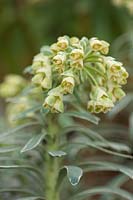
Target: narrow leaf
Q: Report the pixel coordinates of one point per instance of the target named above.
(102, 190)
(131, 129)
(109, 166)
(25, 113)
(120, 105)
(31, 198)
(33, 142)
(16, 129)
(84, 115)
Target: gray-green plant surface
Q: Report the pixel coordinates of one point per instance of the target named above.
(51, 124)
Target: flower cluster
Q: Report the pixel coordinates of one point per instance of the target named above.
(127, 3)
(68, 64)
(15, 109)
(71, 62)
(12, 85)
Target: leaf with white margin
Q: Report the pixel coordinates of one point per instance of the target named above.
(57, 153)
(74, 174)
(33, 142)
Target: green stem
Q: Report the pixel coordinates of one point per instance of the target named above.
(52, 164)
(51, 176)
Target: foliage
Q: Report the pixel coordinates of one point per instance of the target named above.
(43, 148)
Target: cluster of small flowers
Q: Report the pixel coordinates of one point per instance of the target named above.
(127, 3)
(69, 62)
(12, 85)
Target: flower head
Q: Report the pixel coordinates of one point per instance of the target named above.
(67, 85)
(71, 63)
(12, 85)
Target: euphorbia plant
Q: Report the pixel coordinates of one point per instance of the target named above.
(70, 79)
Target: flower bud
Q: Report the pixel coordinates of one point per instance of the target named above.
(54, 48)
(78, 64)
(46, 83)
(38, 78)
(59, 59)
(118, 93)
(124, 73)
(62, 43)
(68, 85)
(74, 41)
(105, 47)
(39, 61)
(77, 54)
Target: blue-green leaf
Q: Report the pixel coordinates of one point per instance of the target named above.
(98, 165)
(31, 198)
(57, 153)
(27, 112)
(102, 190)
(16, 129)
(84, 115)
(33, 142)
(74, 174)
(121, 105)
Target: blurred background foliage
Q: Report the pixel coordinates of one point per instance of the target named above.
(26, 25)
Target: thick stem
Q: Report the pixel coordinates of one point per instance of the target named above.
(52, 164)
(51, 176)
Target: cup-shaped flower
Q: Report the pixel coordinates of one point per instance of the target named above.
(99, 45)
(54, 48)
(101, 105)
(74, 41)
(39, 61)
(77, 54)
(62, 43)
(67, 85)
(95, 44)
(118, 93)
(54, 103)
(100, 101)
(112, 65)
(43, 78)
(59, 59)
(105, 47)
(46, 83)
(77, 64)
(38, 78)
(98, 93)
(124, 73)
